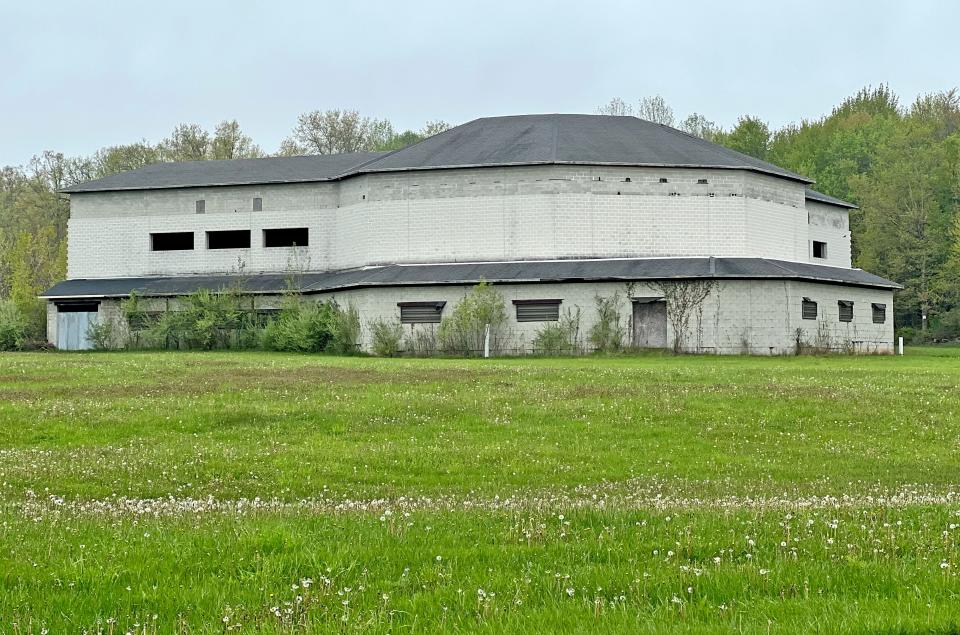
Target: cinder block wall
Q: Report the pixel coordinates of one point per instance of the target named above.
(759, 317)
(515, 213)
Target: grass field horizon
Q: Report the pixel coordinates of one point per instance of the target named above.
(260, 492)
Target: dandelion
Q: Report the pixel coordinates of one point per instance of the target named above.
(570, 592)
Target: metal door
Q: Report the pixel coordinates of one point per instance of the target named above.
(72, 330)
(650, 324)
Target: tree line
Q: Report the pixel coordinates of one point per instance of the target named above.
(899, 164)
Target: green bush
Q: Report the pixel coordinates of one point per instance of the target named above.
(608, 333)
(386, 337)
(13, 326)
(463, 332)
(102, 334)
(305, 327)
(561, 337)
(345, 330)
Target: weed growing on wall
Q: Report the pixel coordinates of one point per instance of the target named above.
(609, 332)
(561, 337)
(463, 332)
(386, 337)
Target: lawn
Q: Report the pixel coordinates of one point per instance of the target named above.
(255, 492)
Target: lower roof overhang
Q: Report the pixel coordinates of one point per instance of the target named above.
(513, 272)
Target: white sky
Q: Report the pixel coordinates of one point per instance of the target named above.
(81, 75)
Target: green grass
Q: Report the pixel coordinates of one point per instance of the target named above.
(165, 492)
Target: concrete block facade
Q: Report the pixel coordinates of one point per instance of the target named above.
(460, 215)
(760, 317)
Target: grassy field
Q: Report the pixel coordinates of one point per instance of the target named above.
(252, 492)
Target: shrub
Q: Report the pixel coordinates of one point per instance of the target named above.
(305, 327)
(463, 332)
(13, 326)
(345, 330)
(608, 333)
(386, 337)
(561, 337)
(102, 334)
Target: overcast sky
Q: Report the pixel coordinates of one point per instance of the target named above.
(81, 75)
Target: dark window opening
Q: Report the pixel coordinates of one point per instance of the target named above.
(879, 313)
(286, 237)
(808, 309)
(78, 307)
(846, 310)
(701, 181)
(229, 239)
(258, 204)
(171, 241)
(537, 310)
(420, 312)
(627, 180)
(819, 249)
(201, 206)
(663, 180)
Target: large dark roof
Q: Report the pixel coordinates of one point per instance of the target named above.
(820, 197)
(486, 142)
(471, 273)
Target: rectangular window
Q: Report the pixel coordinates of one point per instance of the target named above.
(287, 237)
(808, 309)
(258, 204)
(879, 313)
(846, 310)
(819, 249)
(537, 310)
(229, 239)
(201, 206)
(701, 181)
(171, 241)
(420, 312)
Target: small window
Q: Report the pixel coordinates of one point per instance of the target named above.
(229, 239)
(286, 237)
(537, 310)
(626, 180)
(171, 241)
(701, 181)
(201, 206)
(846, 310)
(663, 180)
(808, 310)
(258, 204)
(420, 312)
(879, 313)
(819, 249)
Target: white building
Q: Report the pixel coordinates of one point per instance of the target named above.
(556, 209)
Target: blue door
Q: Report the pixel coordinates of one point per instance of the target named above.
(73, 322)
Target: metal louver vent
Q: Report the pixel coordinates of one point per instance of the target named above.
(537, 310)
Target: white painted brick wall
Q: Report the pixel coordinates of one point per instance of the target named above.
(742, 316)
(515, 213)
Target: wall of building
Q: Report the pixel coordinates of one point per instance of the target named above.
(830, 224)
(514, 213)
(760, 317)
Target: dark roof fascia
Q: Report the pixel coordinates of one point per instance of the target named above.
(685, 166)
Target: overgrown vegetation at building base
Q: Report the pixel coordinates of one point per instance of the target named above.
(267, 492)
